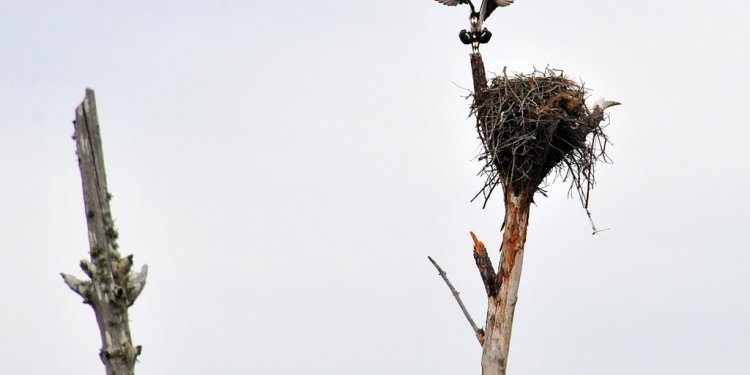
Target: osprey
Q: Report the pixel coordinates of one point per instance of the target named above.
(488, 6)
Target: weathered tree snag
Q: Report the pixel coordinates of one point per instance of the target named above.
(501, 307)
(501, 287)
(478, 74)
(112, 286)
(530, 126)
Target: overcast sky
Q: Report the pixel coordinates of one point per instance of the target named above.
(285, 167)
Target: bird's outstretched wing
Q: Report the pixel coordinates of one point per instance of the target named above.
(490, 5)
(454, 2)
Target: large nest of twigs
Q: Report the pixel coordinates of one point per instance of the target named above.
(532, 125)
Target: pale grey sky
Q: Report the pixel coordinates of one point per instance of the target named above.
(285, 168)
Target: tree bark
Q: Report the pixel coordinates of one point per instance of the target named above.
(484, 265)
(478, 74)
(112, 286)
(502, 285)
(502, 292)
(502, 306)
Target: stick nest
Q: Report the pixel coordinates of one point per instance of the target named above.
(532, 125)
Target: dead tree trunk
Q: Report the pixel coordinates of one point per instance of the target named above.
(478, 74)
(501, 305)
(530, 126)
(112, 287)
(501, 286)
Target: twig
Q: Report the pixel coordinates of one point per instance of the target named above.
(477, 331)
(593, 227)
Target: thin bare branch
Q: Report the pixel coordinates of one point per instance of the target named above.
(477, 331)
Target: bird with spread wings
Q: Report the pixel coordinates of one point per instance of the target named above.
(488, 6)
(477, 35)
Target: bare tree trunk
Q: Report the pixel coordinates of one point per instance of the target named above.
(478, 74)
(502, 305)
(571, 143)
(502, 288)
(112, 287)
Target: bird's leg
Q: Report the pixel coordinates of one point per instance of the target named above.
(465, 37)
(484, 36)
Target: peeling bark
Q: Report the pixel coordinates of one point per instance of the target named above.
(501, 307)
(502, 285)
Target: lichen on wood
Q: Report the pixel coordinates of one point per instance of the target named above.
(113, 286)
